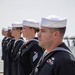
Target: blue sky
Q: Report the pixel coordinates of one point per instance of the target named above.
(18, 10)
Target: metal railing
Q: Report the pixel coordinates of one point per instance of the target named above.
(68, 39)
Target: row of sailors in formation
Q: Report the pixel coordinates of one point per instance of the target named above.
(20, 56)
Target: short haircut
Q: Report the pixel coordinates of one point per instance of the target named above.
(19, 28)
(61, 30)
(35, 29)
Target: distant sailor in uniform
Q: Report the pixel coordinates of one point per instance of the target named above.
(58, 59)
(6, 51)
(30, 52)
(7, 37)
(4, 33)
(16, 33)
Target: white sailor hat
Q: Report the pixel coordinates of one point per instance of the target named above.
(5, 29)
(16, 24)
(9, 28)
(31, 23)
(53, 22)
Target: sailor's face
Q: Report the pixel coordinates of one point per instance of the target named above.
(14, 31)
(5, 33)
(45, 37)
(26, 31)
